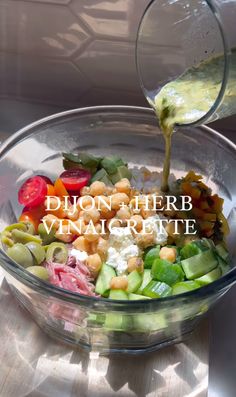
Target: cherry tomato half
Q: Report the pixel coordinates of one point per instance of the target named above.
(75, 178)
(47, 180)
(32, 192)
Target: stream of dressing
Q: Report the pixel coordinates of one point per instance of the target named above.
(188, 98)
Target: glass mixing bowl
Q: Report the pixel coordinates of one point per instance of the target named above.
(131, 132)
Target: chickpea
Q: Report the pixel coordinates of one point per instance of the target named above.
(91, 215)
(113, 222)
(109, 190)
(108, 214)
(93, 247)
(146, 213)
(135, 263)
(168, 254)
(51, 219)
(97, 188)
(94, 264)
(85, 202)
(64, 236)
(145, 240)
(92, 233)
(118, 199)
(119, 282)
(123, 186)
(102, 247)
(170, 229)
(138, 222)
(102, 203)
(78, 227)
(81, 244)
(72, 213)
(123, 213)
(85, 191)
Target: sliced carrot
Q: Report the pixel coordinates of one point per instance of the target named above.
(50, 190)
(60, 189)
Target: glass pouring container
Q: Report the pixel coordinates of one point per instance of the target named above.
(131, 132)
(175, 36)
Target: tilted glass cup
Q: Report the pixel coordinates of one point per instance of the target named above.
(177, 35)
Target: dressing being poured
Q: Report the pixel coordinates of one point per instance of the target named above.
(190, 97)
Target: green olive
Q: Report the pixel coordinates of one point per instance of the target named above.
(46, 237)
(21, 254)
(37, 251)
(6, 235)
(57, 252)
(22, 237)
(19, 226)
(6, 239)
(29, 227)
(39, 271)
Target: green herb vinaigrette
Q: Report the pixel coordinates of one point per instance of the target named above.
(188, 98)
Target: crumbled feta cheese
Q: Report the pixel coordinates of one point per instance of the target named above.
(79, 255)
(152, 225)
(121, 247)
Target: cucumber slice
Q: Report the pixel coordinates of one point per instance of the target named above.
(118, 294)
(201, 245)
(224, 266)
(150, 322)
(156, 289)
(210, 277)
(117, 322)
(105, 179)
(189, 250)
(99, 175)
(222, 252)
(109, 165)
(136, 297)
(199, 264)
(122, 172)
(134, 281)
(150, 256)
(87, 160)
(167, 272)
(185, 286)
(146, 279)
(102, 286)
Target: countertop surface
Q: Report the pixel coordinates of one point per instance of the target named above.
(33, 365)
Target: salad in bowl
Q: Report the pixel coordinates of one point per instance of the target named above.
(94, 248)
(105, 229)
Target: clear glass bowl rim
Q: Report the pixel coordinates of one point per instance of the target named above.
(89, 301)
